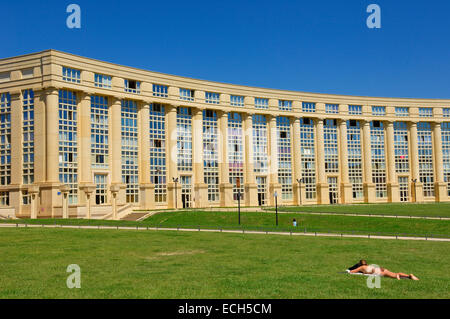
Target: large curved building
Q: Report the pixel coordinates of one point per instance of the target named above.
(85, 138)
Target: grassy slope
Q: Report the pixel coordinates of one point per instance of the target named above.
(403, 209)
(130, 264)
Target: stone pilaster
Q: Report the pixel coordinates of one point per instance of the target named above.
(226, 188)
(416, 185)
(250, 187)
(322, 185)
(392, 181)
(369, 186)
(200, 196)
(440, 185)
(345, 187)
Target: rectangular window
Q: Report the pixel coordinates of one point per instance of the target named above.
(445, 132)
(425, 147)
(187, 95)
(99, 132)
(158, 151)
(401, 147)
(355, 109)
(212, 98)
(210, 154)
(309, 107)
(355, 158)
(425, 112)
(27, 73)
(402, 111)
(132, 86)
(71, 75)
(308, 162)
(378, 110)
(28, 137)
(446, 112)
(331, 146)
(236, 100)
(102, 81)
(285, 105)
(332, 108)
(236, 154)
(260, 156)
(378, 158)
(68, 144)
(160, 90)
(4, 199)
(261, 103)
(284, 157)
(129, 133)
(184, 139)
(101, 189)
(5, 141)
(5, 77)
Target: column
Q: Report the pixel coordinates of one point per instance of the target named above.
(416, 185)
(14, 189)
(299, 193)
(65, 201)
(226, 188)
(250, 188)
(84, 159)
(50, 192)
(346, 188)
(392, 182)
(440, 185)
(274, 186)
(369, 186)
(146, 188)
(115, 149)
(200, 188)
(173, 189)
(322, 185)
(39, 148)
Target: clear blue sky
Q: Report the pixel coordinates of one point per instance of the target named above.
(312, 46)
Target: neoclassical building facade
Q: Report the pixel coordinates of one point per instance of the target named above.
(91, 139)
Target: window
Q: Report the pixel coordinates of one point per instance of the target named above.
(425, 112)
(445, 132)
(284, 157)
(308, 107)
(446, 112)
(129, 133)
(401, 147)
(355, 109)
(355, 158)
(101, 189)
(378, 111)
(212, 98)
(186, 95)
(102, 81)
(332, 108)
(68, 147)
(160, 90)
(184, 139)
(402, 111)
(158, 151)
(261, 103)
(236, 100)
(5, 141)
(308, 162)
(378, 158)
(132, 86)
(236, 154)
(27, 73)
(331, 146)
(99, 132)
(28, 137)
(425, 148)
(285, 105)
(260, 143)
(71, 75)
(5, 77)
(210, 154)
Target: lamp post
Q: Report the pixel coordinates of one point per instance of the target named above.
(300, 181)
(175, 180)
(276, 207)
(414, 180)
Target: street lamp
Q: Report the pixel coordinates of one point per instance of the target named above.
(175, 180)
(414, 180)
(300, 181)
(276, 207)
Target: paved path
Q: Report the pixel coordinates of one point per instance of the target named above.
(310, 234)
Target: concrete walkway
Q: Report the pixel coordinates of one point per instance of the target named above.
(310, 234)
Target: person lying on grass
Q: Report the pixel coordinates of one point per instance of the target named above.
(380, 271)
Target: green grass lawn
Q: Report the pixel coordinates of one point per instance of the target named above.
(168, 264)
(266, 221)
(403, 209)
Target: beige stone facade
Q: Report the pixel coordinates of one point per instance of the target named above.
(91, 139)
